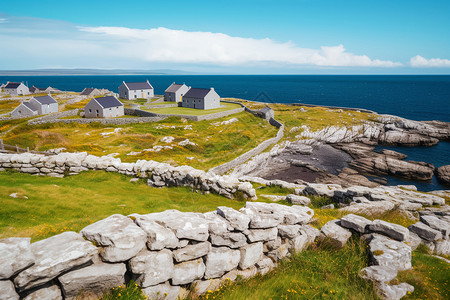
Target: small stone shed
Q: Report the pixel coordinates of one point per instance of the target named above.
(104, 107)
(201, 99)
(175, 92)
(135, 90)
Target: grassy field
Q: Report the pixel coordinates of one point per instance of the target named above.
(54, 205)
(214, 143)
(192, 111)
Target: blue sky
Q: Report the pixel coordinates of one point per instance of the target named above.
(283, 36)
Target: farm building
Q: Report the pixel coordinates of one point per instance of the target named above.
(135, 90)
(104, 107)
(175, 92)
(201, 99)
(90, 92)
(36, 106)
(16, 88)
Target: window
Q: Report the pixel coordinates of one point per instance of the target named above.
(135, 96)
(90, 110)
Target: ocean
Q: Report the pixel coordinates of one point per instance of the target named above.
(416, 97)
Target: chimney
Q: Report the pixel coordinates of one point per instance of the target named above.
(212, 89)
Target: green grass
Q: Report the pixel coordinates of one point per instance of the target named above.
(129, 292)
(317, 273)
(55, 205)
(192, 111)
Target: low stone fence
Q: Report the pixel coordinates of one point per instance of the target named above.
(54, 117)
(209, 116)
(334, 107)
(166, 253)
(158, 174)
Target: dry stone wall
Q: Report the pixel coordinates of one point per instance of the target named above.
(166, 253)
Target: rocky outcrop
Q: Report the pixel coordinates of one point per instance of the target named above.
(163, 252)
(443, 174)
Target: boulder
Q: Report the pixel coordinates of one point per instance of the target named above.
(355, 222)
(393, 292)
(373, 208)
(188, 271)
(191, 226)
(230, 239)
(442, 247)
(151, 268)
(262, 235)
(237, 220)
(247, 273)
(200, 287)
(265, 265)
(443, 174)
(390, 253)
(15, 256)
(158, 237)
(94, 279)
(311, 233)
(7, 291)
(337, 234)
(191, 252)
(425, 232)
(279, 253)
(394, 231)
(379, 274)
(437, 224)
(54, 256)
(119, 237)
(221, 260)
(163, 291)
(216, 223)
(298, 243)
(250, 255)
(300, 200)
(289, 231)
(51, 292)
(291, 214)
(260, 220)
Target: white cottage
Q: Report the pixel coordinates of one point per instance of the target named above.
(16, 88)
(104, 107)
(175, 92)
(201, 99)
(36, 106)
(135, 90)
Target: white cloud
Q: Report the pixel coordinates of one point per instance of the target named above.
(3, 20)
(421, 62)
(168, 45)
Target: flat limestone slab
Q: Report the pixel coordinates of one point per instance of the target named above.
(15, 255)
(54, 256)
(152, 267)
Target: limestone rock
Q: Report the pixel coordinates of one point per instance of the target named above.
(390, 253)
(425, 232)
(7, 291)
(291, 214)
(119, 237)
(15, 255)
(279, 253)
(200, 287)
(298, 243)
(217, 224)
(336, 233)
(372, 209)
(191, 252)
(442, 247)
(265, 265)
(190, 226)
(438, 224)
(250, 255)
(188, 271)
(355, 222)
(395, 231)
(380, 274)
(443, 174)
(260, 220)
(393, 292)
(162, 291)
(247, 273)
(300, 200)
(152, 267)
(312, 233)
(230, 239)
(158, 237)
(220, 260)
(93, 279)
(257, 235)
(238, 221)
(53, 256)
(51, 292)
(289, 231)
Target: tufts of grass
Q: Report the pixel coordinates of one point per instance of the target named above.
(317, 273)
(129, 292)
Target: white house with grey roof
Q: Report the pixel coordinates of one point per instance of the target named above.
(16, 88)
(201, 99)
(135, 90)
(104, 107)
(175, 92)
(36, 106)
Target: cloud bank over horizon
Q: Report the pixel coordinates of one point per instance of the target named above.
(46, 43)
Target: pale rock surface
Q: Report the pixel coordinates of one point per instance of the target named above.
(279, 253)
(393, 292)
(442, 247)
(94, 279)
(394, 231)
(265, 265)
(336, 233)
(191, 252)
(443, 174)
(355, 222)
(437, 224)
(158, 237)
(151, 267)
(48, 293)
(248, 273)
(299, 243)
(257, 235)
(119, 237)
(229, 239)
(188, 271)
(15, 255)
(7, 291)
(390, 253)
(300, 200)
(378, 273)
(54, 256)
(221, 260)
(217, 224)
(250, 255)
(425, 232)
(163, 291)
(237, 220)
(289, 231)
(372, 208)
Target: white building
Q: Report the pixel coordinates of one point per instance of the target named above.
(201, 99)
(135, 90)
(175, 92)
(104, 107)
(16, 88)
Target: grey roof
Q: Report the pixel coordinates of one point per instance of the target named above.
(45, 99)
(36, 88)
(197, 93)
(139, 85)
(173, 88)
(108, 101)
(265, 109)
(87, 91)
(12, 85)
(30, 105)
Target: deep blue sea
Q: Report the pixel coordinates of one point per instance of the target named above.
(416, 97)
